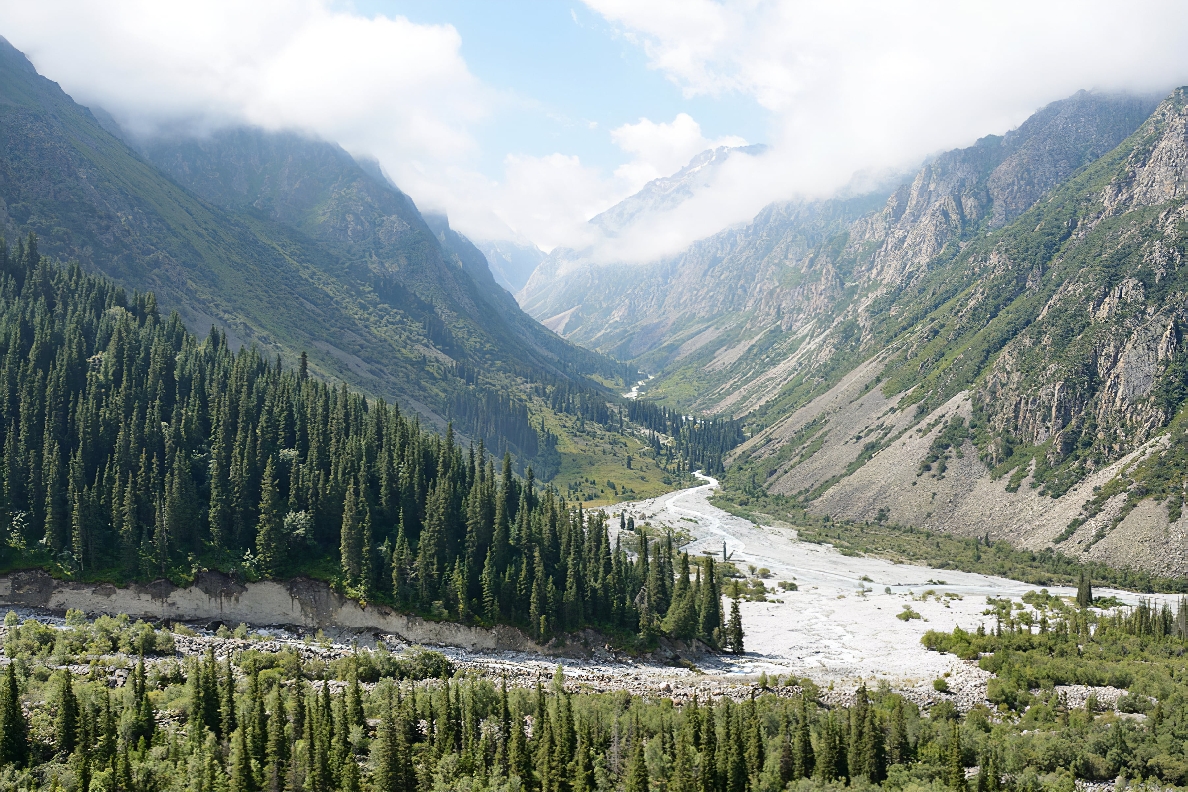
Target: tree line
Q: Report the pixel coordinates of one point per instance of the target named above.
(700, 443)
(133, 449)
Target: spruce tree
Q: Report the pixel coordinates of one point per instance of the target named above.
(385, 768)
(269, 539)
(14, 730)
(735, 629)
(240, 765)
(350, 550)
(489, 583)
(954, 769)
(637, 769)
(66, 721)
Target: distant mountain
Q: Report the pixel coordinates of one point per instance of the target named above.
(729, 288)
(284, 242)
(510, 262)
(669, 192)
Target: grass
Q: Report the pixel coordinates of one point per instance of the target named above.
(593, 467)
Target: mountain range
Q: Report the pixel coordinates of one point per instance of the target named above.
(990, 347)
(288, 243)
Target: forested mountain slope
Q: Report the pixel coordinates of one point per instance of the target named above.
(135, 450)
(289, 244)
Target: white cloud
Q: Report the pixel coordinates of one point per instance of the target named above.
(386, 87)
(869, 85)
(851, 86)
(549, 199)
(661, 149)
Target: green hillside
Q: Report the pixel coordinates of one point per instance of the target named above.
(311, 252)
(135, 450)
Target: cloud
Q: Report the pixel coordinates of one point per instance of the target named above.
(549, 199)
(662, 149)
(398, 91)
(849, 87)
(866, 86)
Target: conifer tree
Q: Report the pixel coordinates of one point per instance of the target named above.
(228, 720)
(803, 758)
(583, 764)
(637, 769)
(709, 764)
(490, 595)
(897, 738)
(14, 730)
(735, 633)
(350, 546)
(269, 542)
(240, 765)
(385, 758)
(518, 760)
(66, 721)
(954, 769)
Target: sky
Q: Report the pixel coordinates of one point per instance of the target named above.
(521, 120)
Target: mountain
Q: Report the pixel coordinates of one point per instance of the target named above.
(723, 296)
(510, 262)
(669, 192)
(994, 349)
(569, 278)
(1027, 383)
(284, 242)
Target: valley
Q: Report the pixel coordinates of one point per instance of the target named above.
(988, 347)
(839, 628)
(874, 487)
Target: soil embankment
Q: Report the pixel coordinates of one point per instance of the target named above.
(302, 603)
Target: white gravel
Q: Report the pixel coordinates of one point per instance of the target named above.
(838, 627)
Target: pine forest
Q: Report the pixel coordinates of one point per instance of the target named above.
(134, 450)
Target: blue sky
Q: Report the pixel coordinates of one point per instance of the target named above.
(569, 77)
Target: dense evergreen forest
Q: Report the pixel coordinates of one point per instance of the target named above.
(700, 443)
(134, 450)
(263, 718)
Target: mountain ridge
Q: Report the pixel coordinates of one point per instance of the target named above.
(995, 348)
(284, 242)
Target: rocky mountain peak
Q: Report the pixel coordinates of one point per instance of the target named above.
(1156, 171)
(668, 192)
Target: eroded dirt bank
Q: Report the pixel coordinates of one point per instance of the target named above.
(302, 603)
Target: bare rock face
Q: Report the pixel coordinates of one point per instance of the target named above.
(216, 597)
(1157, 170)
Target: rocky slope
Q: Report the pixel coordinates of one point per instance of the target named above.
(511, 263)
(1055, 343)
(734, 304)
